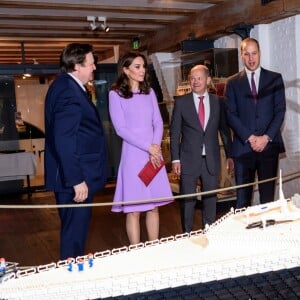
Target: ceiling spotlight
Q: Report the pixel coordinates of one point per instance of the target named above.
(105, 27)
(93, 25)
(103, 24)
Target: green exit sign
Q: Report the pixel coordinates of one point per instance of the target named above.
(136, 44)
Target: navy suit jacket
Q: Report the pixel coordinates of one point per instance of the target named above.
(75, 148)
(247, 118)
(187, 136)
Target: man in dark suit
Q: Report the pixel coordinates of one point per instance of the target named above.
(75, 151)
(255, 110)
(195, 149)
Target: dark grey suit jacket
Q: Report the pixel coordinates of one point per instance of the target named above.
(188, 137)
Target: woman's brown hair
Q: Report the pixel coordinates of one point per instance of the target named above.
(122, 83)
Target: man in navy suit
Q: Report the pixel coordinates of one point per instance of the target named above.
(255, 110)
(75, 151)
(195, 148)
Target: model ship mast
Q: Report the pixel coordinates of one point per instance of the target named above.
(281, 195)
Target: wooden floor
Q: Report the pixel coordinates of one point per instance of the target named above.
(30, 237)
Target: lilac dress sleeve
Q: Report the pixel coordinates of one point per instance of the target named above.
(157, 121)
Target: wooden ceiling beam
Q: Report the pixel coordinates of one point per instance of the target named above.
(214, 22)
(73, 19)
(292, 5)
(20, 5)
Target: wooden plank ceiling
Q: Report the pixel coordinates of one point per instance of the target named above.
(35, 31)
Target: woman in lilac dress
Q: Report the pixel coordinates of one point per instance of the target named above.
(137, 120)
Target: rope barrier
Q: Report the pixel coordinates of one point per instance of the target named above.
(39, 206)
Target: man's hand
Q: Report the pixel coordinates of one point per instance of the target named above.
(252, 140)
(176, 168)
(81, 192)
(230, 166)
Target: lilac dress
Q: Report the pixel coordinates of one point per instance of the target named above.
(138, 122)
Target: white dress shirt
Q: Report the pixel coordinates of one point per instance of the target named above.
(256, 76)
(206, 106)
(206, 110)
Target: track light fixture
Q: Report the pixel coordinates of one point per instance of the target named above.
(93, 26)
(103, 24)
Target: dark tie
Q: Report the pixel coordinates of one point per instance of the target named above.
(201, 112)
(88, 94)
(253, 87)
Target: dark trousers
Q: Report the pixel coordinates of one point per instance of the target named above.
(265, 165)
(209, 202)
(74, 226)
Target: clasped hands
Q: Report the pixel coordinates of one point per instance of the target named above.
(258, 143)
(155, 155)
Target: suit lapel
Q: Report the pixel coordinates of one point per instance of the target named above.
(85, 97)
(245, 82)
(262, 81)
(211, 109)
(246, 89)
(83, 92)
(192, 111)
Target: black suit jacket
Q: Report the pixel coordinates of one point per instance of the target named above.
(75, 148)
(247, 118)
(188, 137)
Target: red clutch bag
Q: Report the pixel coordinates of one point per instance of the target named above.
(148, 172)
